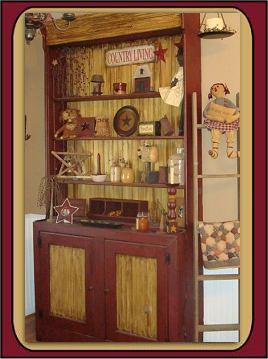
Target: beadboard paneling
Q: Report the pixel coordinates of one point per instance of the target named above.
(136, 295)
(67, 282)
(83, 61)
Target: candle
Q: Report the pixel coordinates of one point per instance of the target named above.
(214, 23)
(98, 165)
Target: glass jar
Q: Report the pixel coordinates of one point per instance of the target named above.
(142, 222)
(176, 167)
(127, 174)
(115, 172)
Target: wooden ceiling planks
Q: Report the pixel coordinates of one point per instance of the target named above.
(102, 26)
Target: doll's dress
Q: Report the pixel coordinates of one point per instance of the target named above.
(218, 124)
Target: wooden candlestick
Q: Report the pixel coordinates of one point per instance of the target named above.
(171, 215)
(98, 165)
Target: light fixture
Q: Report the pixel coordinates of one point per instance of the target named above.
(215, 28)
(39, 20)
(97, 81)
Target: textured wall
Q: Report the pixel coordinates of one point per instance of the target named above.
(35, 112)
(220, 62)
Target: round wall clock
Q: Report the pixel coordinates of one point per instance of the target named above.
(126, 121)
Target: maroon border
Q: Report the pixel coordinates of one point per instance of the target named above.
(256, 12)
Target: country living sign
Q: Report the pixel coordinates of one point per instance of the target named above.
(130, 55)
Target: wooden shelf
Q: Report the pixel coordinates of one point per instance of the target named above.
(152, 94)
(133, 138)
(120, 184)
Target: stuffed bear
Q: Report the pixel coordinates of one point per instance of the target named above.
(221, 116)
(69, 129)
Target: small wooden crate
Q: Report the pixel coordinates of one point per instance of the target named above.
(142, 84)
(108, 208)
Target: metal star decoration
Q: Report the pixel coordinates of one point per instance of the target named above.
(55, 62)
(173, 229)
(160, 53)
(126, 121)
(65, 212)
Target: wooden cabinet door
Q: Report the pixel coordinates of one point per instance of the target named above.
(70, 297)
(136, 287)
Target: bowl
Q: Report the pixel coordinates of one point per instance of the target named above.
(98, 178)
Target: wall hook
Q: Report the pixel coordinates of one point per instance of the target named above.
(26, 135)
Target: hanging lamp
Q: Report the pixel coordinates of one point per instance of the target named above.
(35, 21)
(215, 28)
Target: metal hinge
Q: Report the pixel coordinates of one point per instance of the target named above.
(168, 258)
(39, 242)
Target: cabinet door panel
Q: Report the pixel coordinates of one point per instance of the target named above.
(136, 287)
(67, 271)
(136, 295)
(67, 282)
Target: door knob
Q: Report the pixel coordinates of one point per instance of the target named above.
(106, 290)
(90, 288)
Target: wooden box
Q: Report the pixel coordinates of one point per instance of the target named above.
(142, 84)
(81, 203)
(86, 127)
(116, 209)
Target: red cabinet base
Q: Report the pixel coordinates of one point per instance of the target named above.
(96, 284)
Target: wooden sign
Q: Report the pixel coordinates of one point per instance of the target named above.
(221, 113)
(130, 55)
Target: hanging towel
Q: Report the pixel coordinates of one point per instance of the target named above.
(220, 244)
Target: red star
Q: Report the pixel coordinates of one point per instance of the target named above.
(65, 212)
(160, 53)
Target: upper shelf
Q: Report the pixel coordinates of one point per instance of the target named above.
(86, 181)
(152, 94)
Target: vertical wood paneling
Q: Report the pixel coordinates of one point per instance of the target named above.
(67, 282)
(91, 59)
(136, 295)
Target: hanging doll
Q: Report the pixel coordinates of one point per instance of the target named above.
(221, 116)
(173, 94)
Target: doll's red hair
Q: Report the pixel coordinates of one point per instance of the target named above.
(226, 90)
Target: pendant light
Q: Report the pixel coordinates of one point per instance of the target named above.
(215, 28)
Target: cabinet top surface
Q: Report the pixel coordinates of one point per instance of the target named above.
(108, 233)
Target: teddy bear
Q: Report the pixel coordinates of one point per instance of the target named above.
(71, 119)
(221, 116)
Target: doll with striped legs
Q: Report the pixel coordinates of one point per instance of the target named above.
(221, 116)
